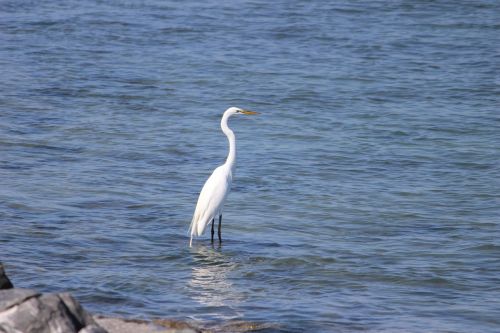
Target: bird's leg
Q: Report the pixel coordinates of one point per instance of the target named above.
(212, 232)
(219, 233)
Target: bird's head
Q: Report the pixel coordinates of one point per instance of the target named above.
(235, 110)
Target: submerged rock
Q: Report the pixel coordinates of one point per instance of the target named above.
(26, 311)
(119, 325)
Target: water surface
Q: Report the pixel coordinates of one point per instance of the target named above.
(365, 197)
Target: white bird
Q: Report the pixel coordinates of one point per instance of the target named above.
(216, 188)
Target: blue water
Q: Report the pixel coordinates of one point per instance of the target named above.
(366, 195)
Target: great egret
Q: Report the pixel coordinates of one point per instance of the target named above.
(216, 188)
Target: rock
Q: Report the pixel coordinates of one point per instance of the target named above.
(92, 329)
(117, 325)
(26, 311)
(4, 280)
(76, 309)
(246, 326)
(176, 326)
(12, 297)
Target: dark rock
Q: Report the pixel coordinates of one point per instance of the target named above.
(4, 280)
(27, 311)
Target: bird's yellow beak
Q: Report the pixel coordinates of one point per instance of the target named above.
(249, 112)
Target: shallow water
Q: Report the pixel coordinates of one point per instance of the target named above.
(365, 196)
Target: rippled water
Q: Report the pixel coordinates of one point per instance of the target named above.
(366, 196)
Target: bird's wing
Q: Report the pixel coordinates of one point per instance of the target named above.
(211, 199)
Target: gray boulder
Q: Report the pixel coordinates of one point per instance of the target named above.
(93, 329)
(26, 311)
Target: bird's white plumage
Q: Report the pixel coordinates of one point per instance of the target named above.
(211, 199)
(216, 188)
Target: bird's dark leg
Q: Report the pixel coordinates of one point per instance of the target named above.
(213, 221)
(219, 233)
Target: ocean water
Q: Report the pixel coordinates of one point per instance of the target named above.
(366, 194)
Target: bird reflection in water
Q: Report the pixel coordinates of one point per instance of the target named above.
(210, 282)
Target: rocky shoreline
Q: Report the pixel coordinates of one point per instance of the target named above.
(28, 311)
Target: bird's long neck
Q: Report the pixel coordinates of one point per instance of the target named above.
(231, 157)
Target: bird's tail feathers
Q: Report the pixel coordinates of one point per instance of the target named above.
(198, 225)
